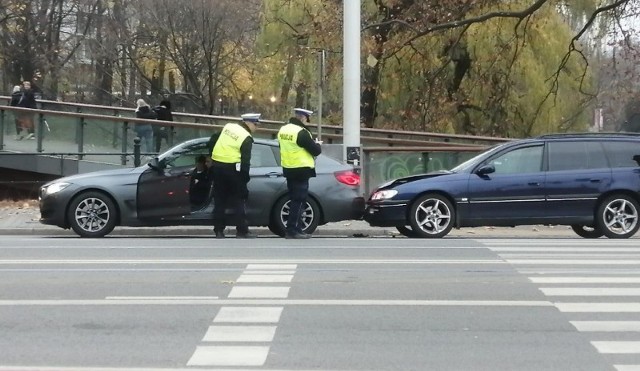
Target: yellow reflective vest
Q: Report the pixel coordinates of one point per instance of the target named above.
(291, 154)
(227, 148)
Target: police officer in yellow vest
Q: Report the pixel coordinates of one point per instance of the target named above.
(231, 159)
(297, 152)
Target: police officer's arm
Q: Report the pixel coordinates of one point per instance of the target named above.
(245, 156)
(305, 141)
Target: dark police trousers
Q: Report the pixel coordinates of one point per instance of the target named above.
(229, 192)
(298, 191)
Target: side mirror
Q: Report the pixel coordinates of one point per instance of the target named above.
(486, 169)
(154, 163)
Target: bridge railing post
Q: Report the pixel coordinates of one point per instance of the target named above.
(125, 127)
(2, 129)
(40, 132)
(136, 151)
(81, 124)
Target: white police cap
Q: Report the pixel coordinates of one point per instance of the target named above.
(251, 117)
(302, 111)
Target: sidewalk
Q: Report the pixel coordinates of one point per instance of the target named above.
(23, 219)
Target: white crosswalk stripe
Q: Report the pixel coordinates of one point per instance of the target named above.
(233, 326)
(596, 283)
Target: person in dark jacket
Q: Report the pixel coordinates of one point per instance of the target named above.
(163, 111)
(27, 100)
(199, 184)
(16, 94)
(145, 131)
(230, 163)
(297, 156)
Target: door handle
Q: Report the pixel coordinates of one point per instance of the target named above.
(273, 174)
(595, 180)
(535, 184)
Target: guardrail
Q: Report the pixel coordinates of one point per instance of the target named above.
(331, 134)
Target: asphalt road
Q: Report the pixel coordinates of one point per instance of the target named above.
(325, 304)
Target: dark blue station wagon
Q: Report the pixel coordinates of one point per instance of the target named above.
(589, 181)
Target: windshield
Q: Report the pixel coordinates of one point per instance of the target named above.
(475, 159)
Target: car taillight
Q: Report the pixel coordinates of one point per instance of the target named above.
(348, 177)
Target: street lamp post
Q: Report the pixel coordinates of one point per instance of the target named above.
(322, 56)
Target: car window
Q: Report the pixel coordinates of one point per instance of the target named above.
(621, 154)
(518, 161)
(576, 156)
(186, 156)
(262, 156)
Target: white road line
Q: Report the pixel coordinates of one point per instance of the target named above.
(590, 291)
(574, 255)
(572, 262)
(240, 333)
(248, 315)
(244, 261)
(598, 307)
(229, 356)
(161, 298)
(549, 280)
(627, 367)
(400, 303)
(617, 347)
(271, 266)
(267, 272)
(267, 278)
(618, 271)
(566, 249)
(607, 326)
(258, 292)
(559, 242)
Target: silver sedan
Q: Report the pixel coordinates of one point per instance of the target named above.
(157, 194)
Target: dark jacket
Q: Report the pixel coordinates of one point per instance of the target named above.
(145, 112)
(305, 141)
(27, 99)
(15, 98)
(163, 113)
(199, 186)
(245, 153)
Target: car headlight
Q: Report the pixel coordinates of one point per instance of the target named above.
(54, 188)
(384, 195)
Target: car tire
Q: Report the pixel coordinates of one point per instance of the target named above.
(275, 229)
(407, 231)
(280, 212)
(586, 231)
(617, 216)
(431, 216)
(92, 214)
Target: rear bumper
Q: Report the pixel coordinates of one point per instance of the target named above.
(386, 215)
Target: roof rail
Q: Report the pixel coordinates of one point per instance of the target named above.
(588, 134)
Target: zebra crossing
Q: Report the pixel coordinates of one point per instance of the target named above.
(595, 283)
(240, 336)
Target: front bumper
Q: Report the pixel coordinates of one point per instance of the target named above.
(386, 214)
(53, 208)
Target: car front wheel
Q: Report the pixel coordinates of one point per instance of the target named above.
(280, 215)
(586, 231)
(92, 214)
(617, 216)
(431, 216)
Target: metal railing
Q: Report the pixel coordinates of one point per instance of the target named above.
(331, 133)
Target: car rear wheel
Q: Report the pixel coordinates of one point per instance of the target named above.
(92, 214)
(617, 216)
(407, 231)
(280, 215)
(431, 216)
(586, 231)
